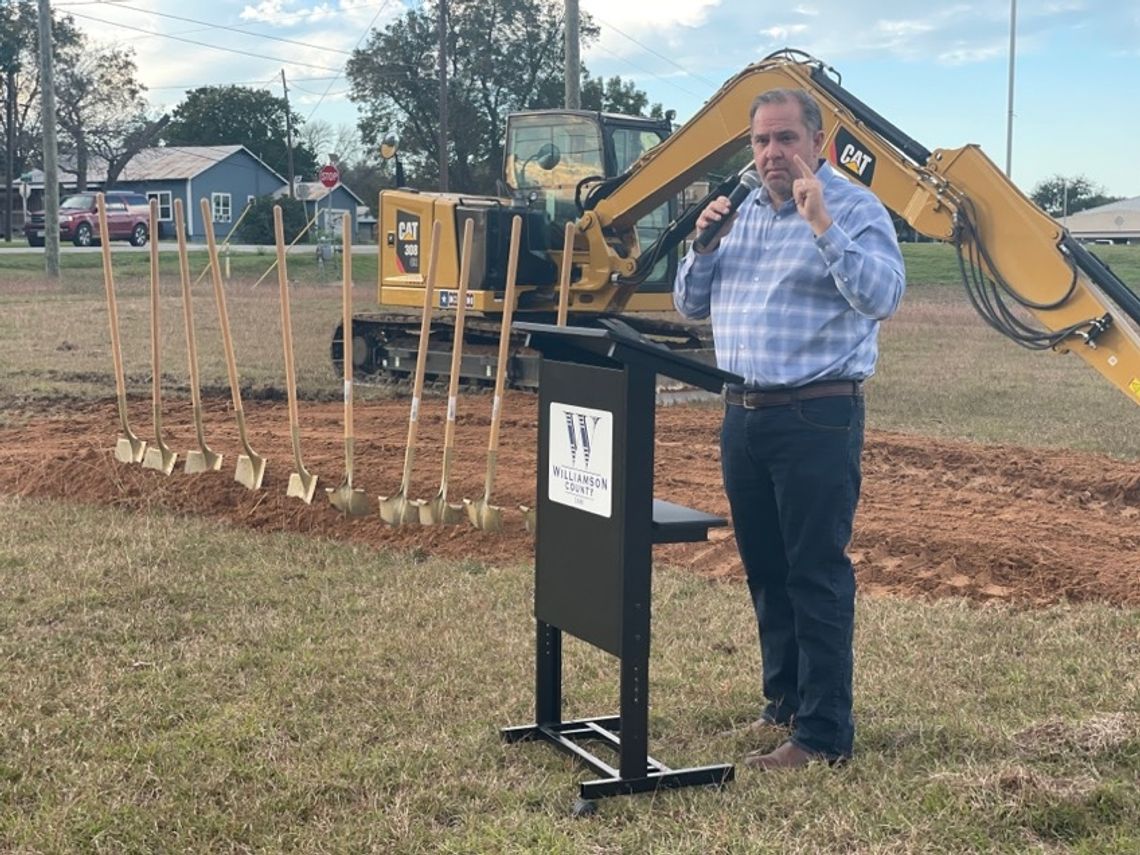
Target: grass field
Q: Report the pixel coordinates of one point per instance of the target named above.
(174, 685)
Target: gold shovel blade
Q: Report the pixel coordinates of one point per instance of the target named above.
(483, 515)
(202, 461)
(394, 510)
(130, 449)
(303, 486)
(160, 459)
(349, 501)
(439, 511)
(250, 470)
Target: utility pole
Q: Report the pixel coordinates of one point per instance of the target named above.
(443, 134)
(10, 154)
(288, 132)
(51, 165)
(573, 64)
(1009, 120)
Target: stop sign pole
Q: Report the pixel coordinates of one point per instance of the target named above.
(329, 176)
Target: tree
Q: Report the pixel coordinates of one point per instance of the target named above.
(616, 96)
(342, 141)
(99, 103)
(234, 115)
(20, 93)
(1061, 195)
(257, 226)
(502, 57)
(101, 109)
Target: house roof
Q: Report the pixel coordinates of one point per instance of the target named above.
(1114, 220)
(314, 191)
(170, 163)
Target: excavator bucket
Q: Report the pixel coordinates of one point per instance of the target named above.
(397, 509)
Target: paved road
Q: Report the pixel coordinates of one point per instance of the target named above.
(21, 246)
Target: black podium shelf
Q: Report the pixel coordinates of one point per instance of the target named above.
(677, 524)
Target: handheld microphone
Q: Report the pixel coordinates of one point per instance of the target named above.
(749, 181)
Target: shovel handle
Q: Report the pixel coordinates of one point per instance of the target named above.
(346, 304)
(564, 279)
(220, 299)
(505, 333)
(187, 306)
(112, 306)
(155, 357)
(286, 319)
(421, 354)
(457, 340)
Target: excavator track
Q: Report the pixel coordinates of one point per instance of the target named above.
(385, 344)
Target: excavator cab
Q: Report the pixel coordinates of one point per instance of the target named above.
(549, 153)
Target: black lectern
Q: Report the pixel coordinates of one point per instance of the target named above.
(597, 521)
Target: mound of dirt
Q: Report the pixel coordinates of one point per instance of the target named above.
(937, 518)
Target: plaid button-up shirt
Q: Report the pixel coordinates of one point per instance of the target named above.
(789, 308)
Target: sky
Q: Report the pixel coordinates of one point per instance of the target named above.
(939, 71)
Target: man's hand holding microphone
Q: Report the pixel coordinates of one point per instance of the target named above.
(716, 219)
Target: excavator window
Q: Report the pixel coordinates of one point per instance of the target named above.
(548, 153)
(629, 144)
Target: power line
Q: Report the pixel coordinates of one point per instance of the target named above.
(238, 30)
(206, 44)
(267, 83)
(367, 30)
(648, 49)
(632, 64)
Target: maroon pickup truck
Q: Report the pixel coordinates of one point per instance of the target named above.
(128, 216)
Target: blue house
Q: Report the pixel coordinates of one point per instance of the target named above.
(329, 207)
(228, 177)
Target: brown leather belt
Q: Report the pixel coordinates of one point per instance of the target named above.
(752, 399)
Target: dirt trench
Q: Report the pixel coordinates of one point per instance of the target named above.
(937, 517)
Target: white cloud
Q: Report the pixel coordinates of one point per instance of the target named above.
(784, 32)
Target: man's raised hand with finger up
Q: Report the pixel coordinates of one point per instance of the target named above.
(807, 190)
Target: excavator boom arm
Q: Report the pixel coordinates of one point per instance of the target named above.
(1023, 273)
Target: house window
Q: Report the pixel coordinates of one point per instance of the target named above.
(222, 206)
(164, 204)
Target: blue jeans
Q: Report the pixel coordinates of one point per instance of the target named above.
(792, 476)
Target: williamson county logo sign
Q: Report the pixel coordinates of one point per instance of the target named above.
(581, 458)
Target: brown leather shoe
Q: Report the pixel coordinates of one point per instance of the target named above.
(758, 727)
(786, 756)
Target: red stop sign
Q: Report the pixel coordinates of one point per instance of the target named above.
(329, 175)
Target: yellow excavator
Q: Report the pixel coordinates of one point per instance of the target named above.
(618, 179)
